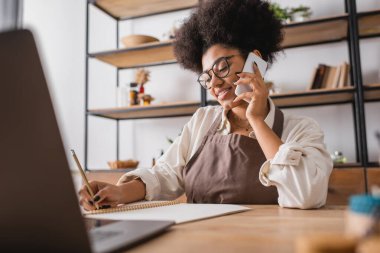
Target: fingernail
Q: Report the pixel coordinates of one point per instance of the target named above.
(91, 202)
(237, 73)
(96, 198)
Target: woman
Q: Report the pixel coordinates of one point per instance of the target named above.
(239, 152)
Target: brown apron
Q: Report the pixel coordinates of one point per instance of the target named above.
(225, 169)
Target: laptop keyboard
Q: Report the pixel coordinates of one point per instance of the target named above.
(99, 235)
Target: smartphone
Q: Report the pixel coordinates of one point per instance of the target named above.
(261, 64)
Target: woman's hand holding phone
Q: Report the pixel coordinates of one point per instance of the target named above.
(257, 94)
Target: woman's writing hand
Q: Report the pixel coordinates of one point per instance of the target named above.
(258, 106)
(106, 195)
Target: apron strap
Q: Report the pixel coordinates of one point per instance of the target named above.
(214, 125)
(211, 131)
(278, 124)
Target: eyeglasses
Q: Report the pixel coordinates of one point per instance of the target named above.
(221, 69)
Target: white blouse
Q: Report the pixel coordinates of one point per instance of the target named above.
(300, 169)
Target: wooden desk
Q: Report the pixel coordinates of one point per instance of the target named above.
(262, 229)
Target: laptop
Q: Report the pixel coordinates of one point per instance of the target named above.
(39, 210)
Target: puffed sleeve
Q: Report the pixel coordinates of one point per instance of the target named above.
(165, 181)
(301, 168)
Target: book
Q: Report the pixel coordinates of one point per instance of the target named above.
(330, 84)
(330, 77)
(318, 77)
(313, 80)
(343, 79)
(322, 76)
(165, 210)
(325, 77)
(337, 77)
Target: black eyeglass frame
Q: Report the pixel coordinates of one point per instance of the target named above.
(225, 58)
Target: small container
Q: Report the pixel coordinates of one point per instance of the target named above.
(338, 157)
(362, 218)
(133, 94)
(122, 96)
(141, 89)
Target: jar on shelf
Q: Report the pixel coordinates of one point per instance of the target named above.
(338, 157)
(122, 96)
(133, 92)
(141, 89)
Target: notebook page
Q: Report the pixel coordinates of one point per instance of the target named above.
(179, 213)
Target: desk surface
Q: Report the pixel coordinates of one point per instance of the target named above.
(262, 229)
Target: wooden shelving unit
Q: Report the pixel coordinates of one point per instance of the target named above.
(316, 31)
(122, 10)
(312, 32)
(150, 111)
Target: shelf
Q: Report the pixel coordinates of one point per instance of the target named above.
(373, 165)
(314, 97)
(149, 54)
(347, 166)
(286, 100)
(372, 92)
(369, 24)
(150, 111)
(310, 98)
(330, 29)
(121, 9)
(315, 31)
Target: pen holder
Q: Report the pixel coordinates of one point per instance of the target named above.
(362, 218)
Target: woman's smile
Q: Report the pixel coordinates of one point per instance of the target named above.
(223, 93)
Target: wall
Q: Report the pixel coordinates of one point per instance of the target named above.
(10, 14)
(60, 29)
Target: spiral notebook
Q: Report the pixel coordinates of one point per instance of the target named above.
(165, 210)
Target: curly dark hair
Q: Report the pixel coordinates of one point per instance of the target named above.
(242, 24)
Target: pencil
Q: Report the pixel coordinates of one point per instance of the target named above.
(84, 176)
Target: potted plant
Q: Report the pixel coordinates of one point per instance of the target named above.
(280, 13)
(300, 13)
